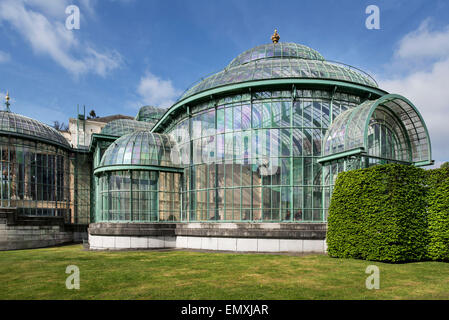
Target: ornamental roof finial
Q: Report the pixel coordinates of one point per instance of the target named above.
(7, 101)
(275, 37)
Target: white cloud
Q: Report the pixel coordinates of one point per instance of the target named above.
(48, 36)
(4, 57)
(427, 85)
(157, 92)
(102, 63)
(424, 43)
(48, 7)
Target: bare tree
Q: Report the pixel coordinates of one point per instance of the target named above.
(60, 126)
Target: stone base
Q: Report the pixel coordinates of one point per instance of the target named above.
(36, 232)
(237, 237)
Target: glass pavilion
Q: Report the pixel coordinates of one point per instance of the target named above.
(260, 141)
(41, 175)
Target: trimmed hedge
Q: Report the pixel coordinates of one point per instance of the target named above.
(438, 209)
(379, 213)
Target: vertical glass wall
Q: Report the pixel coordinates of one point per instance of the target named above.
(139, 196)
(81, 177)
(253, 157)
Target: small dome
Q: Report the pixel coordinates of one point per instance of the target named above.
(278, 50)
(16, 124)
(150, 114)
(121, 127)
(140, 148)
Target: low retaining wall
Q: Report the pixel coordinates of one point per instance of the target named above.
(36, 232)
(239, 237)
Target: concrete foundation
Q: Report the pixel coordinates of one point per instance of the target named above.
(238, 237)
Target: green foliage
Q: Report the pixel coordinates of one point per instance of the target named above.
(444, 165)
(379, 214)
(438, 208)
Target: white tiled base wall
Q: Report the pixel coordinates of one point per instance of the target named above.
(208, 243)
(252, 244)
(123, 242)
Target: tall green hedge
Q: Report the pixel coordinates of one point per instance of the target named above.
(438, 209)
(379, 214)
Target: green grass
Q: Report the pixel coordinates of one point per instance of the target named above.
(40, 274)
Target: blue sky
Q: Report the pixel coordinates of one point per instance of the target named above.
(129, 52)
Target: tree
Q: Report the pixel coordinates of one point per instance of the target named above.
(445, 165)
(60, 126)
(92, 115)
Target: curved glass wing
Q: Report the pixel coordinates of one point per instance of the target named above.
(389, 127)
(17, 124)
(139, 148)
(278, 50)
(281, 68)
(121, 127)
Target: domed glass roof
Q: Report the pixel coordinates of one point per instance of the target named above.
(150, 114)
(139, 148)
(281, 61)
(278, 50)
(13, 123)
(121, 127)
(280, 69)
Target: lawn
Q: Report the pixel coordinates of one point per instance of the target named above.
(40, 274)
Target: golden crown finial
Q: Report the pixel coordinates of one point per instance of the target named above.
(275, 37)
(7, 101)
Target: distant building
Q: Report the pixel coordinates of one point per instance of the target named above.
(81, 129)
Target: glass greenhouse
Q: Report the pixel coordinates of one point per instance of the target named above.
(260, 141)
